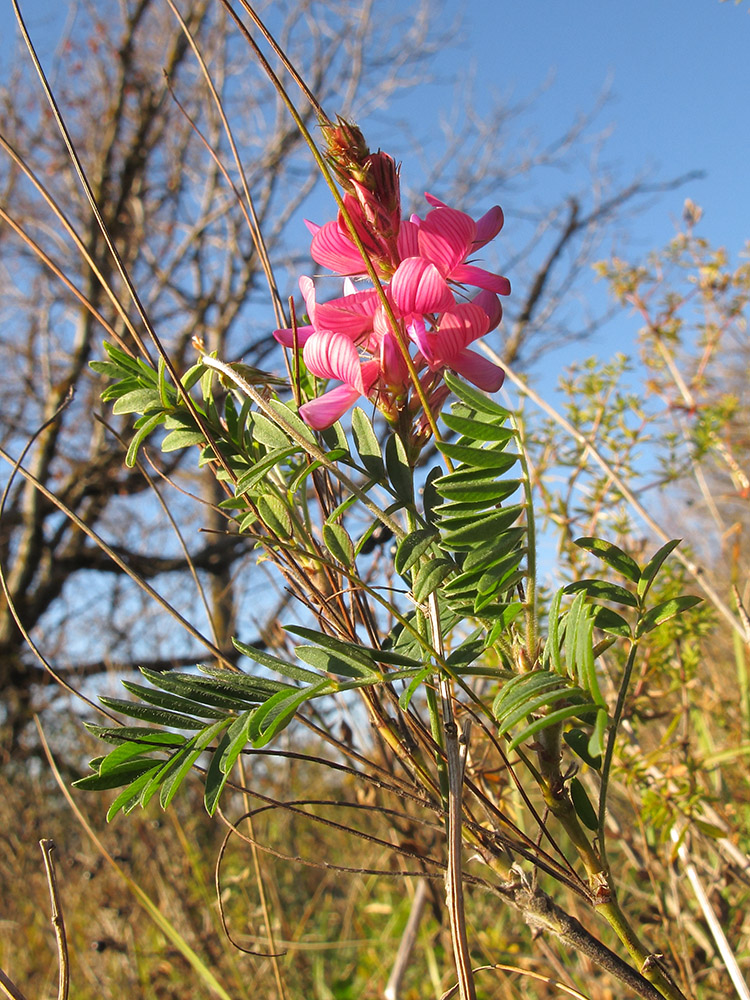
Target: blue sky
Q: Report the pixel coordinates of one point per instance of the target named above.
(679, 76)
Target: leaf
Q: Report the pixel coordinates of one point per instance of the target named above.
(215, 778)
(544, 699)
(182, 439)
(129, 797)
(218, 693)
(176, 703)
(412, 548)
(275, 515)
(475, 399)
(358, 655)
(407, 695)
(507, 615)
(585, 662)
(367, 444)
(603, 590)
(138, 401)
(328, 662)
(483, 558)
(272, 662)
(237, 737)
(452, 487)
(568, 712)
(609, 621)
(266, 432)
(429, 578)
(478, 458)
(140, 436)
(430, 498)
(612, 555)
(193, 375)
(334, 438)
(653, 566)
(582, 805)
(125, 751)
(596, 741)
(339, 544)
(173, 781)
(663, 612)
(275, 714)
(477, 429)
(552, 645)
(125, 774)
(400, 472)
(479, 529)
(572, 619)
(290, 417)
(522, 688)
(147, 713)
(578, 741)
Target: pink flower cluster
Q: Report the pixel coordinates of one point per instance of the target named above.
(422, 265)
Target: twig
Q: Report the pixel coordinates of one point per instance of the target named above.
(697, 572)
(9, 989)
(454, 821)
(408, 941)
(730, 962)
(63, 982)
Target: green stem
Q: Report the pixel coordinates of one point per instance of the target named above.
(609, 752)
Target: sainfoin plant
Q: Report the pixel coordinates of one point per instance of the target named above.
(391, 494)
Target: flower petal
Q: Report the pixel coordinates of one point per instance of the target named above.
(489, 303)
(478, 370)
(418, 287)
(445, 238)
(488, 226)
(424, 340)
(435, 202)
(324, 411)
(408, 242)
(333, 355)
(330, 248)
(467, 274)
(286, 337)
(458, 328)
(351, 315)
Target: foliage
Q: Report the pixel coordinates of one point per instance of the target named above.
(442, 712)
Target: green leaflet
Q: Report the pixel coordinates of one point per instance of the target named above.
(603, 590)
(473, 397)
(653, 566)
(429, 577)
(339, 544)
(400, 472)
(582, 805)
(148, 713)
(125, 774)
(137, 401)
(367, 444)
(266, 432)
(612, 555)
(412, 548)
(663, 612)
(274, 663)
(477, 429)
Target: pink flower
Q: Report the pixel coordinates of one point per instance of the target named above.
(446, 346)
(446, 237)
(332, 355)
(419, 261)
(350, 315)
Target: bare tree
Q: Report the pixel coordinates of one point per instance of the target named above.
(153, 145)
